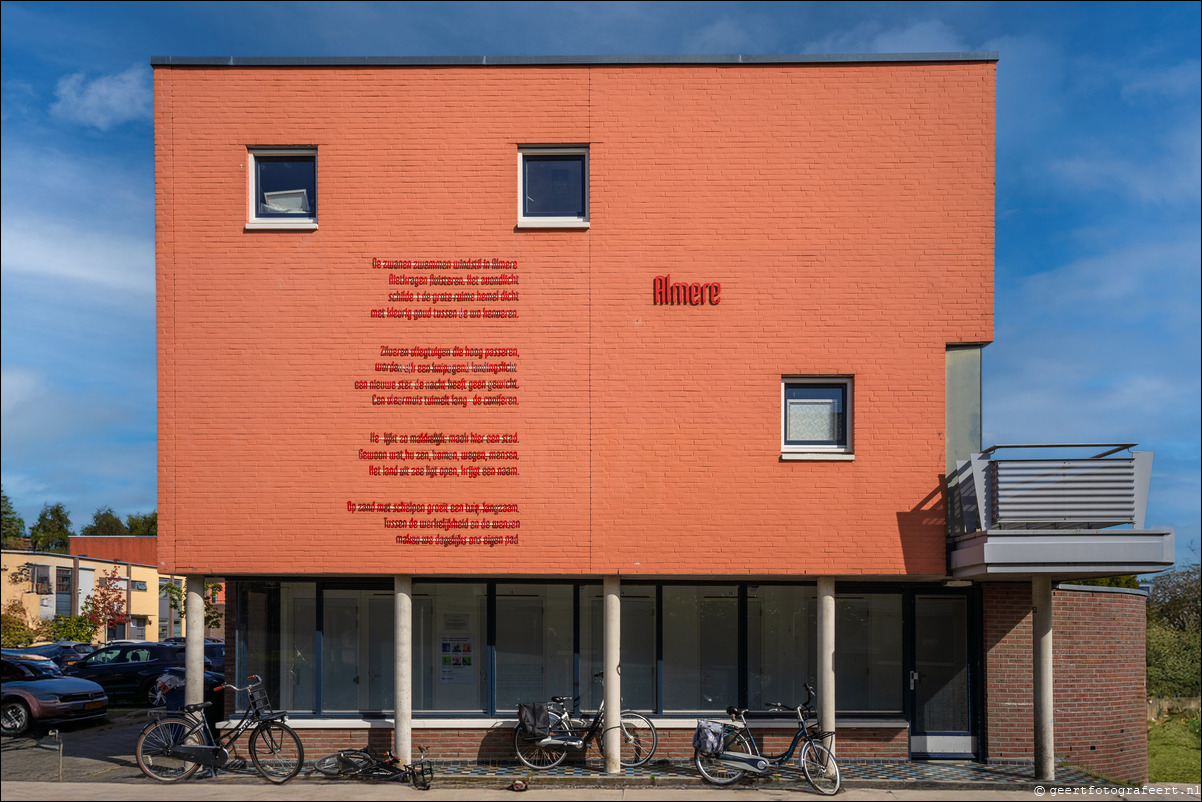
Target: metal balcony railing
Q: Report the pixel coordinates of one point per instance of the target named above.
(1102, 490)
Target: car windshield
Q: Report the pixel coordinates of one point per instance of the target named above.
(40, 669)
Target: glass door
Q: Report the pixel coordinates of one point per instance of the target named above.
(939, 683)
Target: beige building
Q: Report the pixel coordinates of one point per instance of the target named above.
(50, 584)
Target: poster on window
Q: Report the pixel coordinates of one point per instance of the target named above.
(458, 656)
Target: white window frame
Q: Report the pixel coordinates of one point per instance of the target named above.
(551, 222)
(256, 223)
(792, 452)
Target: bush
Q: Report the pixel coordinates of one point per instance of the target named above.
(67, 627)
(15, 631)
(1173, 659)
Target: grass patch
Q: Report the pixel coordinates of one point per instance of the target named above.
(1175, 750)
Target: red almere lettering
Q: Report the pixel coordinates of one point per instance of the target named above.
(665, 293)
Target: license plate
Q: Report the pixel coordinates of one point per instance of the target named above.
(93, 705)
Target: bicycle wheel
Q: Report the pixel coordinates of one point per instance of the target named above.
(344, 764)
(820, 767)
(276, 751)
(155, 745)
(714, 770)
(638, 739)
(541, 757)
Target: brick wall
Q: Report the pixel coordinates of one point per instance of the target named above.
(1099, 665)
(846, 209)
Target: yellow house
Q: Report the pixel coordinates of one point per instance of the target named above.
(49, 584)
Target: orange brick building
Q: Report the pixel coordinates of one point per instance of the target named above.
(451, 352)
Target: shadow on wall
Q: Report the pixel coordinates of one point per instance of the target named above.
(922, 533)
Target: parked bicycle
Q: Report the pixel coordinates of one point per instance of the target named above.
(175, 746)
(359, 764)
(544, 750)
(731, 751)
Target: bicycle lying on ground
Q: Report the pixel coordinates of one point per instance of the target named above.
(359, 764)
(564, 734)
(733, 752)
(175, 746)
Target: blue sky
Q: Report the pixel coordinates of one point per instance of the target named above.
(1098, 236)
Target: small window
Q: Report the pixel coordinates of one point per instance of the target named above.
(816, 418)
(283, 189)
(553, 187)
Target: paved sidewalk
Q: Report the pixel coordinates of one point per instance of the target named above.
(97, 764)
(237, 789)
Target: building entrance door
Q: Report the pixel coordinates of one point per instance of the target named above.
(940, 688)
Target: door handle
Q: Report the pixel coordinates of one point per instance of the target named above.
(913, 679)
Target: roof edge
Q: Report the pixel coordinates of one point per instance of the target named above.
(545, 61)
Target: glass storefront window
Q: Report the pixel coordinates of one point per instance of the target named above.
(868, 653)
(534, 648)
(327, 648)
(700, 647)
(450, 623)
(782, 636)
(298, 646)
(638, 646)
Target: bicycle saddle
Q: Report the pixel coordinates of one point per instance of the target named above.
(197, 706)
(736, 711)
(563, 700)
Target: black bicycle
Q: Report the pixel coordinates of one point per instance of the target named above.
(637, 739)
(175, 746)
(735, 752)
(359, 764)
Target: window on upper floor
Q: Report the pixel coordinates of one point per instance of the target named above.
(816, 417)
(553, 187)
(283, 188)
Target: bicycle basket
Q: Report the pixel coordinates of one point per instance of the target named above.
(534, 722)
(707, 738)
(257, 701)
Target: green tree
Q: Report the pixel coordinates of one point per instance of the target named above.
(52, 530)
(105, 523)
(1176, 598)
(213, 617)
(13, 524)
(143, 525)
(1174, 639)
(1113, 582)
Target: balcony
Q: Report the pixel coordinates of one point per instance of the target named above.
(1046, 509)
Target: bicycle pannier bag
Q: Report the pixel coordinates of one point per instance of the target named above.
(533, 721)
(707, 738)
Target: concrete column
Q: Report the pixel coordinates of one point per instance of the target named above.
(194, 639)
(1041, 664)
(826, 655)
(611, 587)
(402, 587)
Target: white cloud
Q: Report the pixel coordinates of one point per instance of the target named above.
(1177, 81)
(105, 101)
(928, 36)
(58, 251)
(18, 386)
(1174, 175)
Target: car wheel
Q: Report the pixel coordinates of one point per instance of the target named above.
(150, 694)
(14, 717)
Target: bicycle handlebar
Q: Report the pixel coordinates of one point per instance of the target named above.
(251, 680)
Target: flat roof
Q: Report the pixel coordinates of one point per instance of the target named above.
(545, 61)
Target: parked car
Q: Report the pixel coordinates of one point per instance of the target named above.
(63, 652)
(33, 690)
(128, 671)
(214, 650)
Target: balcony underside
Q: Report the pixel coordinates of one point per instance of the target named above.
(1068, 554)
